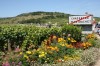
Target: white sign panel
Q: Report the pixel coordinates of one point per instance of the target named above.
(85, 19)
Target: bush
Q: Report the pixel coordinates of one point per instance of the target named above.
(97, 43)
(92, 41)
(73, 30)
(24, 35)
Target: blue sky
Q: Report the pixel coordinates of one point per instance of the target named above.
(10, 8)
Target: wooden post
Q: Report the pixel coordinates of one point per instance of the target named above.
(9, 45)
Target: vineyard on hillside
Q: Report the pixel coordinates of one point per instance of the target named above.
(39, 17)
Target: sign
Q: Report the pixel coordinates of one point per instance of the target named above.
(84, 19)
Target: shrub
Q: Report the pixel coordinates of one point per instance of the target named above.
(73, 30)
(92, 41)
(24, 35)
(97, 43)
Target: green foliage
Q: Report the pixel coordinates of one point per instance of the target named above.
(73, 30)
(24, 35)
(92, 41)
(97, 43)
(97, 19)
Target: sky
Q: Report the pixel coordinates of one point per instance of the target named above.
(11, 8)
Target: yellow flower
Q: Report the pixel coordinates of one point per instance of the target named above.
(41, 55)
(90, 44)
(39, 49)
(56, 48)
(68, 38)
(60, 39)
(62, 44)
(28, 52)
(20, 53)
(25, 56)
(73, 40)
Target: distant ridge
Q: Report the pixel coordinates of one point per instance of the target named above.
(40, 17)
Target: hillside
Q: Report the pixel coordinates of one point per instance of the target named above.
(39, 17)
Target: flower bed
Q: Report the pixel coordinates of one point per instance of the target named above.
(59, 47)
(53, 50)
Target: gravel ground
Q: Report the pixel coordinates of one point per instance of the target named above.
(98, 62)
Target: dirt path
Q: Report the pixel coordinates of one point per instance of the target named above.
(98, 62)
(97, 36)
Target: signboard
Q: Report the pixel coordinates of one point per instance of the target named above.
(84, 19)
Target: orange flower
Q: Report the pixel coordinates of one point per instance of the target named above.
(54, 37)
(89, 36)
(86, 45)
(69, 46)
(53, 48)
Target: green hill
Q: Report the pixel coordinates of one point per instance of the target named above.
(39, 17)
